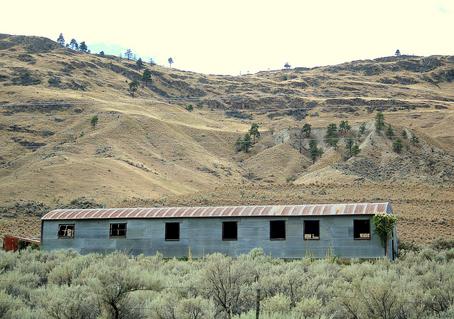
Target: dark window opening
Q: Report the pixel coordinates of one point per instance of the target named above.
(311, 229)
(277, 229)
(361, 229)
(172, 231)
(66, 231)
(229, 231)
(118, 230)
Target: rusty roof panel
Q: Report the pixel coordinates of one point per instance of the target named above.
(327, 210)
(220, 211)
(317, 209)
(266, 210)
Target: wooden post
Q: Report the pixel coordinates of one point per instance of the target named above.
(257, 305)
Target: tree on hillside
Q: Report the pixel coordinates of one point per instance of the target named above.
(243, 144)
(362, 128)
(170, 60)
(397, 146)
(139, 63)
(379, 122)
(355, 149)
(351, 147)
(287, 65)
(246, 143)
(331, 137)
(344, 127)
(101, 53)
(83, 46)
(397, 52)
(128, 54)
(152, 62)
(300, 140)
(133, 86)
(73, 44)
(61, 40)
(307, 130)
(390, 131)
(314, 151)
(254, 132)
(94, 121)
(146, 76)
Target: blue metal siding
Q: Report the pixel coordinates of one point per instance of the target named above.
(204, 236)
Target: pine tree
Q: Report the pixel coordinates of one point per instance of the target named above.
(331, 137)
(254, 132)
(133, 86)
(314, 151)
(355, 150)
(390, 131)
(397, 146)
(73, 44)
(362, 128)
(344, 127)
(146, 76)
(61, 40)
(307, 130)
(83, 46)
(349, 146)
(170, 60)
(94, 120)
(397, 52)
(287, 65)
(246, 143)
(379, 122)
(128, 54)
(300, 139)
(139, 63)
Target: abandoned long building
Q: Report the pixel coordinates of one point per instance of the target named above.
(344, 230)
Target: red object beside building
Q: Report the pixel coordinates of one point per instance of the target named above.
(15, 243)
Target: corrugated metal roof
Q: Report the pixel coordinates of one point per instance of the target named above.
(221, 211)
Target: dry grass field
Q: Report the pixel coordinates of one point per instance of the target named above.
(150, 150)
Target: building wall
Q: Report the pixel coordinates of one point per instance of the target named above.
(204, 236)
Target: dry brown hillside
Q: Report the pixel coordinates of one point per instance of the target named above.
(150, 150)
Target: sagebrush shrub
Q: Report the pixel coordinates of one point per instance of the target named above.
(64, 284)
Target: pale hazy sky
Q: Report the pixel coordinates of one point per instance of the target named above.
(230, 36)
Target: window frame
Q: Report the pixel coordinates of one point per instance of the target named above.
(118, 236)
(223, 230)
(370, 230)
(304, 229)
(166, 231)
(285, 230)
(66, 237)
